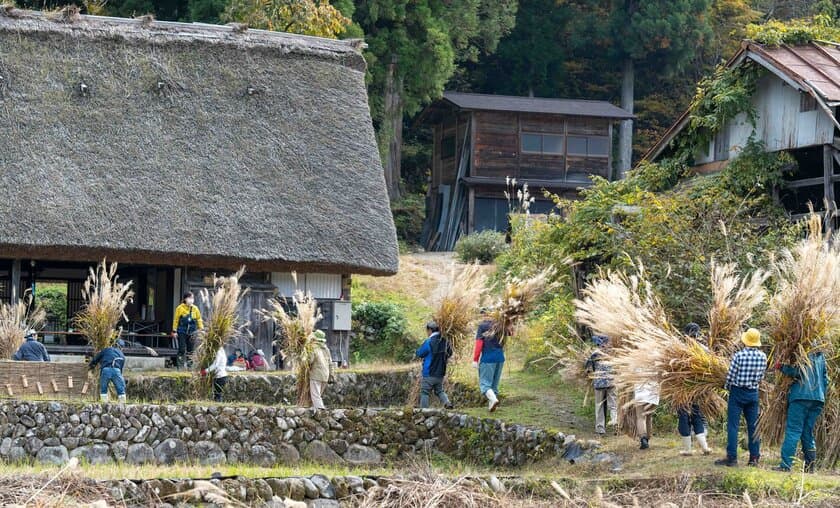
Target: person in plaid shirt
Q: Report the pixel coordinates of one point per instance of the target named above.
(745, 374)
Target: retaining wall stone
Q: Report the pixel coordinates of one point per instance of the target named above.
(166, 434)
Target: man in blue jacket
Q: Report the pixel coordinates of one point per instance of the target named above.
(805, 403)
(435, 352)
(111, 362)
(31, 350)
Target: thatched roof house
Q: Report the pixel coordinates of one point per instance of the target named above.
(187, 145)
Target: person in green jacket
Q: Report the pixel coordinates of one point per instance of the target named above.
(805, 404)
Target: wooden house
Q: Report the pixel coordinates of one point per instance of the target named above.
(182, 150)
(795, 103)
(481, 140)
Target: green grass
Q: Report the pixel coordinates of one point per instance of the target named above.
(137, 472)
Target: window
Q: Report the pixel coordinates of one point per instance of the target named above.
(447, 147)
(549, 144)
(807, 102)
(589, 146)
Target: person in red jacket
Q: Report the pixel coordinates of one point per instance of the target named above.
(489, 358)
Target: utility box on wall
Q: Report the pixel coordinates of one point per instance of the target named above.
(341, 316)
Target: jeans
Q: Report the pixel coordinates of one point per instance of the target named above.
(218, 384)
(432, 384)
(489, 375)
(742, 400)
(185, 348)
(605, 403)
(689, 421)
(801, 417)
(111, 375)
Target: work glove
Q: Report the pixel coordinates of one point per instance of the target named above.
(475, 365)
(778, 365)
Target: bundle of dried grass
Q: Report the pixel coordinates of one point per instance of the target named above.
(519, 296)
(804, 315)
(569, 360)
(430, 492)
(457, 310)
(105, 301)
(734, 300)
(297, 321)
(222, 323)
(15, 320)
(617, 304)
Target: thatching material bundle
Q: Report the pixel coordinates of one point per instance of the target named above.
(457, 310)
(134, 119)
(734, 300)
(15, 320)
(519, 297)
(617, 304)
(222, 323)
(105, 301)
(804, 315)
(297, 321)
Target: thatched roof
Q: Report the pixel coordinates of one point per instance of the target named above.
(186, 144)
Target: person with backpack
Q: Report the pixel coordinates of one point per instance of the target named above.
(602, 382)
(111, 361)
(31, 350)
(186, 322)
(435, 352)
(805, 404)
(691, 418)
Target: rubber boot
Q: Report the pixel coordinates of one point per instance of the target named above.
(644, 443)
(121, 399)
(753, 461)
(704, 445)
(810, 461)
(103, 397)
(493, 401)
(686, 446)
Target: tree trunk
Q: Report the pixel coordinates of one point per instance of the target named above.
(625, 139)
(390, 134)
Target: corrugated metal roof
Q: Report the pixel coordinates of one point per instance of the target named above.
(570, 107)
(814, 66)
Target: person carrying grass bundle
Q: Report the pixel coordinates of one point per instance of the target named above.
(31, 350)
(218, 369)
(645, 400)
(602, 382)
(435, 352)
(691, 418)
(186, 322)
(111, 361)
(320, 369)
(805, 404)
(489, 359)
(746, 370)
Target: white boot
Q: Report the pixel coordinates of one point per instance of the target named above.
(121, 399)
(686, 445)
(103, 397)
(493, 401)
(701, 440)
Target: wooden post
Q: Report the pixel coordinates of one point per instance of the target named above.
(15, 293)
(471, 211)
(40, 388)
(24, 381)
(828, 186)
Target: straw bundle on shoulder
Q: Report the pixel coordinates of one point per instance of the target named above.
(457, 310)
(297, 320)
(734, 300)
(105, 301)
(222, 323)
(519, 296)
(15, 320)
(804, 314)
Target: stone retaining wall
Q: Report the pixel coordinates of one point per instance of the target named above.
(351, 389)
(52, 432)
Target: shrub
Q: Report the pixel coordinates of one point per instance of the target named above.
(380, 329)
(409, 214)
(482, 247)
